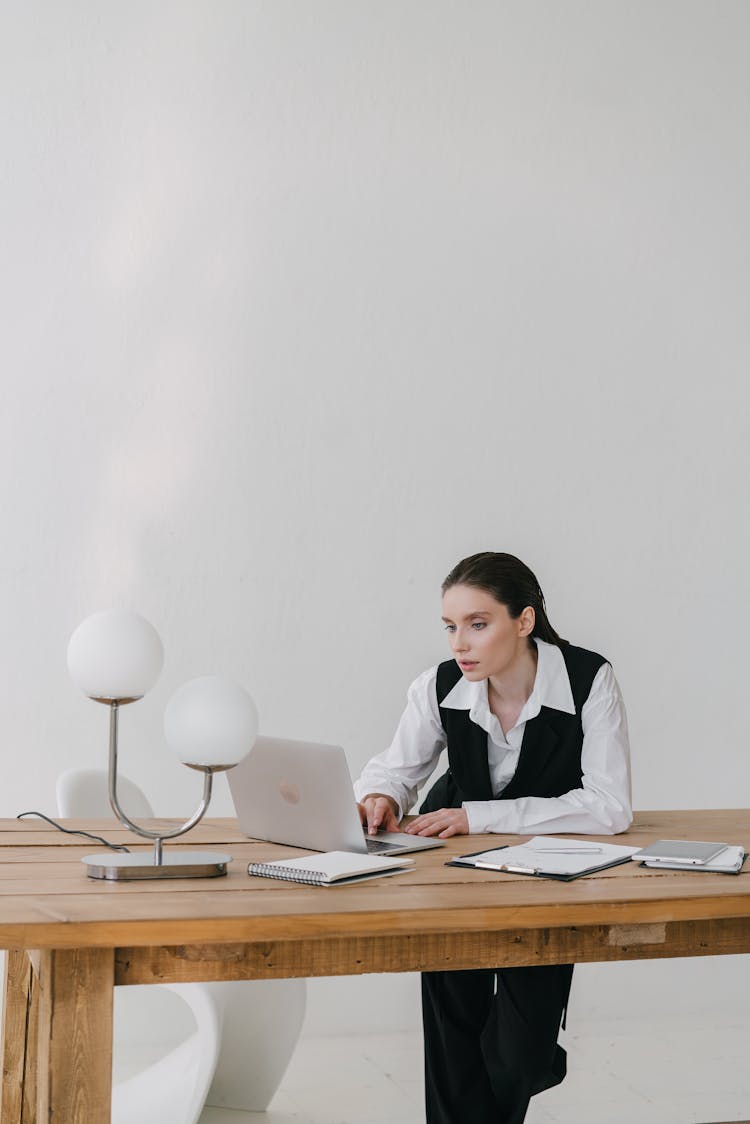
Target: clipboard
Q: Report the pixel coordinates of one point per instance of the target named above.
(537, 871)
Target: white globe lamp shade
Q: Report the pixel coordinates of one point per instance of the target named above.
(211, 722)
(115, 655)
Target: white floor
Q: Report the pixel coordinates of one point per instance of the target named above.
(625, 1072)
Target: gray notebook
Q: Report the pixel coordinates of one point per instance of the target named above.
(689, 851)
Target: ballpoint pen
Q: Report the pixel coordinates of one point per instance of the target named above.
(508, 867)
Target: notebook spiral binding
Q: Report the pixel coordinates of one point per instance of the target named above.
(288, 873)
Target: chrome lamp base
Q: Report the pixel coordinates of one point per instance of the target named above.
(129, 867)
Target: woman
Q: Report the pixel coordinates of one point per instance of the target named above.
(537, 742)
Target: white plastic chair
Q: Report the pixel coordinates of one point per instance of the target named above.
(244, 1031)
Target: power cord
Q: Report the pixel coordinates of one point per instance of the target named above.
(69, 831)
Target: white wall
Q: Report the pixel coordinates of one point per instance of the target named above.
(302, 302)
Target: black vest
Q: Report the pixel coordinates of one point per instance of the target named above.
(550, 760)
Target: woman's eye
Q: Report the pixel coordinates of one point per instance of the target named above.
(450, 628)
(479, 624)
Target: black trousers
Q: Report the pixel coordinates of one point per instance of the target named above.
(490, 1040)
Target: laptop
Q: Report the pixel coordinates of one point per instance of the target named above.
(300, 794)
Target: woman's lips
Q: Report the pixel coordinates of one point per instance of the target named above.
(467, 664)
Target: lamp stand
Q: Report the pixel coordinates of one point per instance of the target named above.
(125, 867)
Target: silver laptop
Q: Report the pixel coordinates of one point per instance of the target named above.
(300, 794)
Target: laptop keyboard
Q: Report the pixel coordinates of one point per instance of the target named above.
(375, 845)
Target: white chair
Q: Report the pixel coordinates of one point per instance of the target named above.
(241, 1035)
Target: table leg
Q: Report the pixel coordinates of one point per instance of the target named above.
(20, 1016)
(74, 1060)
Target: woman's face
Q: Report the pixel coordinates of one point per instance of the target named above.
(484, 638)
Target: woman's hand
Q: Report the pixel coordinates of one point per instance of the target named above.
(379, 813)
(443, 823)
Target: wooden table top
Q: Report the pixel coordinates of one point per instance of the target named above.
(46, 900)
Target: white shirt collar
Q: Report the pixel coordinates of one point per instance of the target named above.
(551, 688)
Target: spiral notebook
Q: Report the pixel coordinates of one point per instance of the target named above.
(331, 868)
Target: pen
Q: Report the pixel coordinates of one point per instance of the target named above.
(512, 869)
(567, 850)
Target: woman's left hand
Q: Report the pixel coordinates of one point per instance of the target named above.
(443, 823)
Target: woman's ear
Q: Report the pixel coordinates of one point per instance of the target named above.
(526, 621)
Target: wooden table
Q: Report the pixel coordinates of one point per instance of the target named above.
(72, 939)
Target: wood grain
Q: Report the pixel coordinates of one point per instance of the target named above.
(74, 1057)
(20, 1027)
(421, 952)
(47, 902)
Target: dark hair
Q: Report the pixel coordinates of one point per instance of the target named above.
(511, 582)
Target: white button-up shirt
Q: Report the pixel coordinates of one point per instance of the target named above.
(601, 806)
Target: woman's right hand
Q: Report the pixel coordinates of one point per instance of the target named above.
(378, 813)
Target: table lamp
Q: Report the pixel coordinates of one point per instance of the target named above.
(211, 723)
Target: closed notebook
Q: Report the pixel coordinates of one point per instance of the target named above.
(728, 861)
(331, 868)
(693, 852)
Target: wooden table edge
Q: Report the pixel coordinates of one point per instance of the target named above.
(309, 926)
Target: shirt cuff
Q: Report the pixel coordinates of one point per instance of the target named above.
(483, 816)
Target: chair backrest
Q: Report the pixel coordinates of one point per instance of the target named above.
(85, 792)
